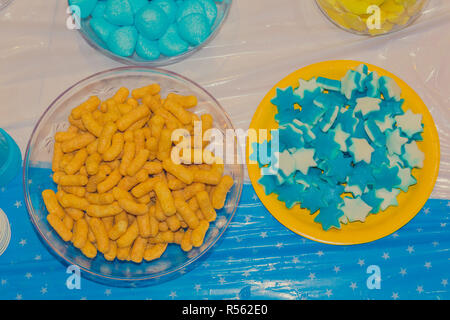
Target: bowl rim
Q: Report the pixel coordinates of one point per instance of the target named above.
(158, 63)
(30, 207)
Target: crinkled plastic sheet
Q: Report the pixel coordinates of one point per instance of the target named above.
(261, 43)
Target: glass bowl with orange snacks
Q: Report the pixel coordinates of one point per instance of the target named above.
(108, 187)
(372, 17)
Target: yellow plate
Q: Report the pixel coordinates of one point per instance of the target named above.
(376, 226)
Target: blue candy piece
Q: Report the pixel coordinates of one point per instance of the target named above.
(210, 10)
(123, 41)
(371, 85)
(347, 120)
(374, 133)
(119, 12)
(372, 200)
(291, 136)
(380, 156)
(152, 22)
(308, 134)
(329, 84)
(312, 199)
(269, 183)
(311, 114)
(169, 7)
(171, 44)
(329, 217)
(325, 145)
(361, 176)
(308, 90)
(389, 88)
(137, 5)
(289, 193)
(194, 28)
(329, 118)
(99, 10)
(86, 7)
(102, 28)
(285, 99)
(340, 167)
(350, 84)
(147, 49)
(188, 7)
(332, 193)
(386, 177)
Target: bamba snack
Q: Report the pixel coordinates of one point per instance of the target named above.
(119, 191)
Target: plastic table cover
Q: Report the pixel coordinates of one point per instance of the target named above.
(261, 43)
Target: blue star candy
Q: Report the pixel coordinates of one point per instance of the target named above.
(332, 193)
(329, 217)
(287, 115)
(329, 84)
(339, 167)
(391, 108)
(285, 99)
(348, 121)
(289, 193)
(291, 135)
(386, 177)
(372, 200)
(312, 199)
(361, 176)
(269, 183)
(311, 113)
(325, 145)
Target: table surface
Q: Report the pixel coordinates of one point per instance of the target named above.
(258, 46)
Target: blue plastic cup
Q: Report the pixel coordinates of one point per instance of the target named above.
(10, 158)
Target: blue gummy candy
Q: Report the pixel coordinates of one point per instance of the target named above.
(102, 28)
(350, 84)
(325, 145)
(171, 44)
(269, 183)
(372, 200)
(210, 10)
(389, 88)
(169, 7)
(86, 7)
(147, 49)
(285, 99)
(194, 28)
(329, 84)
(386, 177)
(123, 41)
(152, 22)
(119, 12)
(329, 217)
(137, 5)
(99, 10)
(339, 167)
(188, 7)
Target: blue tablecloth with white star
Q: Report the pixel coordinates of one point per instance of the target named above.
(257, 259)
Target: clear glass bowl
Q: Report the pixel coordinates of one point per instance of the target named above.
(357, 23)
(223, 8)
(37, 176)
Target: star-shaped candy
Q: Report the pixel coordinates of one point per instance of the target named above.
(307, 86)
(289, 194)
(350, 84)
(387, 123)
(367, 105)
(304, 159)
(339, 167)
(285, 99)
(291, 135)
(361, 176)
(340, 136)
(329, 84)
(355, 209)
(329, 217)
(406, 179)
(269, 183)
(372, 200)
(329, 118)
(311, 113)
(386, 177)
(286, 162)
(361, 150)
(347, 120)
(413, 156)
(389, 197)
(371, 84)
(326, 147)
(312, 199)
(389, 88)
(374, 133)
(410, 123)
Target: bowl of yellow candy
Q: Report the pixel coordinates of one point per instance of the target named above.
(372, 17)
(108, 187)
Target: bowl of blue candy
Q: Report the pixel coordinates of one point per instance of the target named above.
(149, 32)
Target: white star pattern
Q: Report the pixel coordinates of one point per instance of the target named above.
(4, 281)
(353, 285)
(427, 265)
(197, 287)
(38, 257)
(279, 245)
(18, 204)
(108, 292)
(395, 295)
(173, 294)
(361, 262)
(410, 249)
(329, 293)
(23, 242)
(385, 256)
(263, 235)
(295, 260)
(337, 269)
(44, 290)
(312, 276)
(19, 296)
(222, 280)
(402, 271)
(28, 275)
(444, 282)
(419, 289)
(320, 253)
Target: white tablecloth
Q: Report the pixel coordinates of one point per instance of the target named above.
(261, 43)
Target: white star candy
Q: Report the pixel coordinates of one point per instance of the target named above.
(367, 105)
(306, 86)
(395, 142)
(413, 156)
(304, 159)
(361, 150)
(410, 123)
(355, 190)
(389, 197)
(286, 162)
(355, 209)
(340, 137)
(406, 179)
(388, 123)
